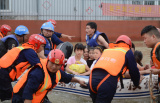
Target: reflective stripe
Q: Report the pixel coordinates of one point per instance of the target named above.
(45, 85)
(117, 49)
(59, 76)
(105, 78)
(21, 48)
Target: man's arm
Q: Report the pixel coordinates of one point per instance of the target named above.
(67, 36)
(102, 41)
(31, 56)
(59, 35)
(27, 101)
(69, 78)
(78, 81)
(155, 71)
(132, 66)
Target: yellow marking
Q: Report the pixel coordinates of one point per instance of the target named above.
(45, 85)
(21, 48)
(118, 49)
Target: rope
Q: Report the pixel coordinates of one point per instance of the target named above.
(152, 97)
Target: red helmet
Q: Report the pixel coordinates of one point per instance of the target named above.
(52, 21)
(56, 56)
(5, 29)
(125, 39)
(37, 39)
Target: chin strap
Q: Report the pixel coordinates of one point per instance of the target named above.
(23, 38)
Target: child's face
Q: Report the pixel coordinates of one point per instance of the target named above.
(85, 54)
(97, 54)
(78, 52)
(91, 54)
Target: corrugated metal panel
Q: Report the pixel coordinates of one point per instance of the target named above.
(63, 10)
(21, 10)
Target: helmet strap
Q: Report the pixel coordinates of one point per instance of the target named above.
(23, 38)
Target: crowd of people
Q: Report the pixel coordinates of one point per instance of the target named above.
(105, 63)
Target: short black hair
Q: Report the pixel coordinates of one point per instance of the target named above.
(151, 30)
(79, 46)
(90, 48)
(100, 48)
(93, 25)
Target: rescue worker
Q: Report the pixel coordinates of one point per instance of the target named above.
(44, 79)
(11, 41)
(94, 37)
(5, 30)
(47, 30)
(16, 61)
(109, 68)
(151, 37)
(55, 37)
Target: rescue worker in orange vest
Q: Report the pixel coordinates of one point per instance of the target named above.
(109, 68)
(5, 30)
(151, 37)
(37, 82)
(16, 61)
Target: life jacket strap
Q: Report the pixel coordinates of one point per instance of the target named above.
(121, 80)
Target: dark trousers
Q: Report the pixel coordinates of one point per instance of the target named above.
(106, 91)
(5, 85)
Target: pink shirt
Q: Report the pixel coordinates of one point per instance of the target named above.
(72, 60)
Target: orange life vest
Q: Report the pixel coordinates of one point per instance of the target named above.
(156, 62)
(112, 61)
(44, 88)
(1, 35)
(9, 58)
(113, 45)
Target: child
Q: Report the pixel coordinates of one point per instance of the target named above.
(85, 54)
(76, 64)
(138, 56)
(97, 53)
(91, 57)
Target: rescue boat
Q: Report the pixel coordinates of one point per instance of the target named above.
(74, 93)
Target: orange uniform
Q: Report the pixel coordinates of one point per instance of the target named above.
(44, 88)
(109, 68)
(156, 62)
(7, 61)
(112, 61)
(1, 35)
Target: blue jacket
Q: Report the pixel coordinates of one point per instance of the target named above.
(92, 42)
(55, 39)
(48, 46)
